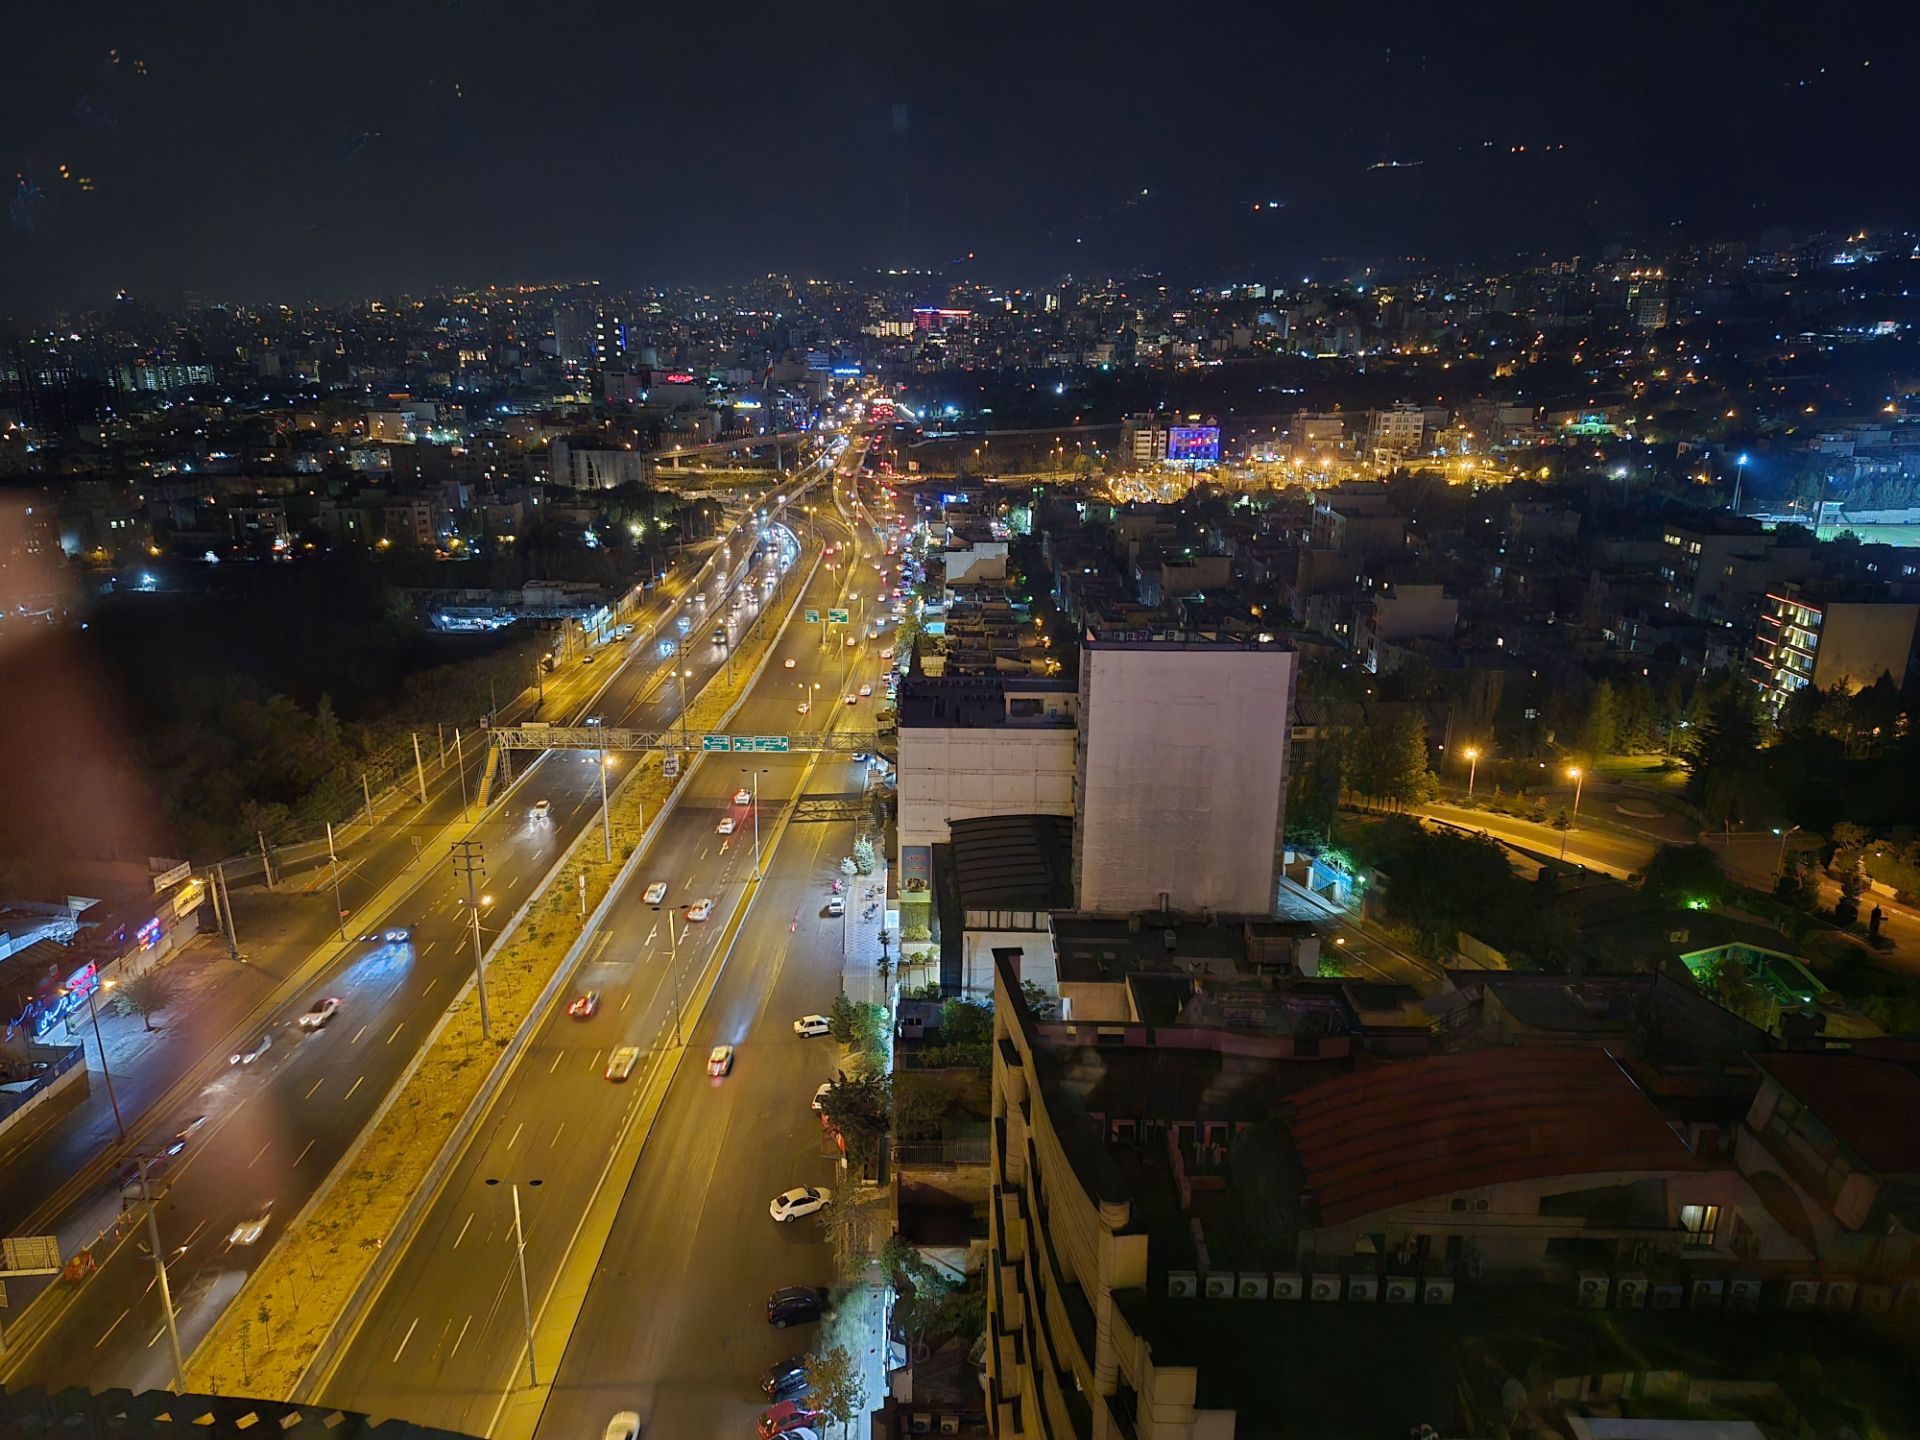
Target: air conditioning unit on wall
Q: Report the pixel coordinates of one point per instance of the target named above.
(1436, 1292)
(1875, 1299)
(1803, 1294)
(1668, 1297)
(1363, 1288)
(1838, 1294)
(1287, 1285)
(1591, 1292)
(1182, 1284)
(1324, 1287)
(1218, 1285)
(1630, 1292)
(1252, 1285)
(1743, 1293)
(1705, 1294)
(1401, 1289)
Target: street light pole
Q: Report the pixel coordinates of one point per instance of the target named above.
(754, 779)
(1579, 780)
(606, 814)
(1473, 766)
(160, 1276)
(520, 1256)
(333, 865)
(469, 859)
(673, 971)
(106, 1072)
(1780, 864)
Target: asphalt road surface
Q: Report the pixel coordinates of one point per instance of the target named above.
(674, 1321)
(275, 1127)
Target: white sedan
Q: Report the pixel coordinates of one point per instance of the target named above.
(788, 663)
(655, 893)
(700, 910)
(726, 825)
(865, 691)
(321, 1013)
(811, 1026)
(743, 796)
(805, 707)
(720, 1060)
(800, 1201)
(248, 1231)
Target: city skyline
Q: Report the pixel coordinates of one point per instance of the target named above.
(332, 156)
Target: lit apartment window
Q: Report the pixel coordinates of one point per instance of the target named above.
(1700, 1222)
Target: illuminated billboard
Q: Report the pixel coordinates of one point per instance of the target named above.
(1193, 444)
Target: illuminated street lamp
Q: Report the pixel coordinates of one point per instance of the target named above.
(93, 1014)
(1578, 776)
(1473, 765)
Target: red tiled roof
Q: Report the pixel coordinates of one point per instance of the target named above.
(1868, 1105)
(1406, 1132)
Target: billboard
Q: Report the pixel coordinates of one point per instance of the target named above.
(1193, 444)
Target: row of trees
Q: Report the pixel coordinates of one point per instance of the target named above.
(1383, 765)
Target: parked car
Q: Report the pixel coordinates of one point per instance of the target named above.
(321, 1013)
(820, 1095)
(700, 909)
(785, 1378)
(620, 1064)
(799, 1202)
(584, 1005)
(811, 1026)
(720, 1060)
(785, 1416)
(796, 1305)
(655, 893)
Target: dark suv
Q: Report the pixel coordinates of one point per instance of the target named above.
(795, 1305)
(786, 1380)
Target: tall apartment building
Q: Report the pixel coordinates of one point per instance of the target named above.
(1399, 431)
(1181, 771)
(1143, 438)
(1801, 640)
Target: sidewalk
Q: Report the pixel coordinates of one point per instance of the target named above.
(860, 951)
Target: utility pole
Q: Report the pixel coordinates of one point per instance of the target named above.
(160, 1277)
(266, 859)
(333, 864)
(366, 794)
(470, 860)
(755, 780)
(93, 1013)
(225, 911)
(419, 770)
(606, 812)
(460, 764)
(520, 1255)
(440, 733)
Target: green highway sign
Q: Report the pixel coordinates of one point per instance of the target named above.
(775, 743)
(716, 742)
(813, 617)
(839, 617)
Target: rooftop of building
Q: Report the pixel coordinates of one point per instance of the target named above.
(1867, 1104)
(1012, 862)
(1103, 634)
(1397, 1134)
(1102, 949)
(983, 701)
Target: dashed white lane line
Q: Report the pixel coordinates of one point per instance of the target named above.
(302, 1155)
(404, 1338)
(427, 949)
(396, 1032)
(316, 1085)
(514, 1139)
(461, 1336)
(625, 1000)
(113, 1327)
(556, 1134)
(356, 1085)
(429, 990)
(463, 1234)
(357, 1034)
(258, 1153)
(558, 1056)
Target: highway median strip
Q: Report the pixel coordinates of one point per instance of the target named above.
(291, 1307)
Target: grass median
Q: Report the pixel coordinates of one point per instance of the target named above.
(269, 1335)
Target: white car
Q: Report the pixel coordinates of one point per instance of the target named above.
(620, 1064)
(252, 1052)
(805, 707)
(836, 907)
(788, 663)
(655, 893)
(743, 796)
(865, 691)
(248, 1231)
(810, 1026)
(542, 810)
(700, 909)
(321, 1013)
(720, 1060)
(820, 1095)
(800, 1201)
(624, 1426)
(726, 825)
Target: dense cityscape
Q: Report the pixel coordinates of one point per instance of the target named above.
(1206, 846)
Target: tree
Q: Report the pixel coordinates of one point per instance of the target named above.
(841, 1018)
(1679, 873)
(1853, 884)
(835, 1386)
(144, 995)
(858, 1106)
(920, 1108)
(1603, 721)
(1042, 1006)
(1440, 883)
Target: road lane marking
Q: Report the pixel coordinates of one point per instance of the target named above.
(461, 1336)
(357, 1034)
(403, 1339)
(427, 949)
(429, 990)
(558, 1056)
(195, 1231)
(303, 1154)
(595, 1062)
(258, 1153)
(316, 1085)
(113, 1327)
(461, 1236)
(516, 1134)
(556, 1135)
(356, 1085)
(157, 1334)
(396, 1032)
(652, 935)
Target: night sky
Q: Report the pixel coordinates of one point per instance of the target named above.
(295, 149)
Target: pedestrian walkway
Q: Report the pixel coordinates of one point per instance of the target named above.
(861, 950)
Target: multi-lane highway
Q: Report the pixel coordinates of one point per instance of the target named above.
(672, 1321)
(274, 1127)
